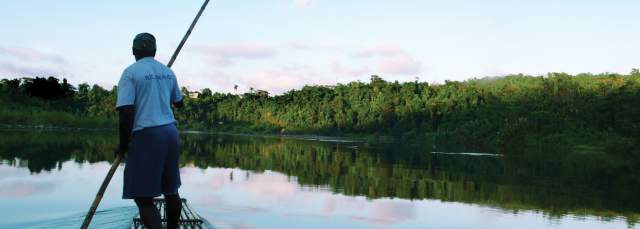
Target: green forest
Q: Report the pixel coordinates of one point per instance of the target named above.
(499, 111)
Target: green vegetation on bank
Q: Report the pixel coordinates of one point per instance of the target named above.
(48, 102)
(502, 112)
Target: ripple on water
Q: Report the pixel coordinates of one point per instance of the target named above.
(470, 154)
(120, 217)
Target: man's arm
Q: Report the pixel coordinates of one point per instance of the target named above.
(126, 114)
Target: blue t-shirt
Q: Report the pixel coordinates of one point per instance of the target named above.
(151, 87)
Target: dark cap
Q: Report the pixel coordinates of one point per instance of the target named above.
(144, 42)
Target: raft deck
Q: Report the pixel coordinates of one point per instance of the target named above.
(188, 218)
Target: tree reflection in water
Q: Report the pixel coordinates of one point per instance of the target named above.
(556, 180)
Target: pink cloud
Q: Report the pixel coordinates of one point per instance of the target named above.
(337, 68)
(324, 47)
(391, 59)
(12, 69)
(24, 188)
(19, 61)
(339, 204)
(391, 212)
(302, 3)
(224, 55)
(270, 186)
(404, 65)
(280, 80)
(212, 79)
(281, 195)
(384, 50)
(275, 80)
(382, 59)
(28, 54)
(300, 46)
(382, 212)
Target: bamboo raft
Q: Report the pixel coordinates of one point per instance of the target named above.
(188, 218)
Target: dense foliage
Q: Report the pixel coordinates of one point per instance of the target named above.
(501, 111)
(46, 101)
(479, 111)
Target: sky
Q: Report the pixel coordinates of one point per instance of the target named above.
(279, 45)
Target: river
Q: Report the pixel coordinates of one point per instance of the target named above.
(49, 178)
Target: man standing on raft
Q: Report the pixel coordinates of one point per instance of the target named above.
(148, 132)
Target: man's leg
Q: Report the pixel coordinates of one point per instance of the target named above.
(148, 213)
(172, 210)
(171, 178)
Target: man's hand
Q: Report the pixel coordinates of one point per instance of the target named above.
(179, 104)
(126, 114)
(120, 152)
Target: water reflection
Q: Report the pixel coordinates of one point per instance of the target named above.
(240, 181)
(24, 188)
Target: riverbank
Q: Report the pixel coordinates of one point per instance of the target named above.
(583, 142)
(500, 114)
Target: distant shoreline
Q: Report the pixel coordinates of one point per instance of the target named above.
(575, 140)
(321, 138)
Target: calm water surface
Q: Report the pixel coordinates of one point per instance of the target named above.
(48, 180)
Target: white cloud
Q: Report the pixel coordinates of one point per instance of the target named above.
(338, 68)
(24, 188)
(384, 50)
(275, 80)
(20, 61)
(224, 55)
(213, 79)
(392, 212)
(402, 65)
(390, 59)
(278, 75)
(302, 3)
(300, 46)
(28, 54)
(283, 79)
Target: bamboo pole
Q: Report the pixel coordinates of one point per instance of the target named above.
(116, 162)
(186, 35)
(103, 187)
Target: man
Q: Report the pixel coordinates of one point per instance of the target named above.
(148, 132)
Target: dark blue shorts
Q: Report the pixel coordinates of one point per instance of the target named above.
(152, 163)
